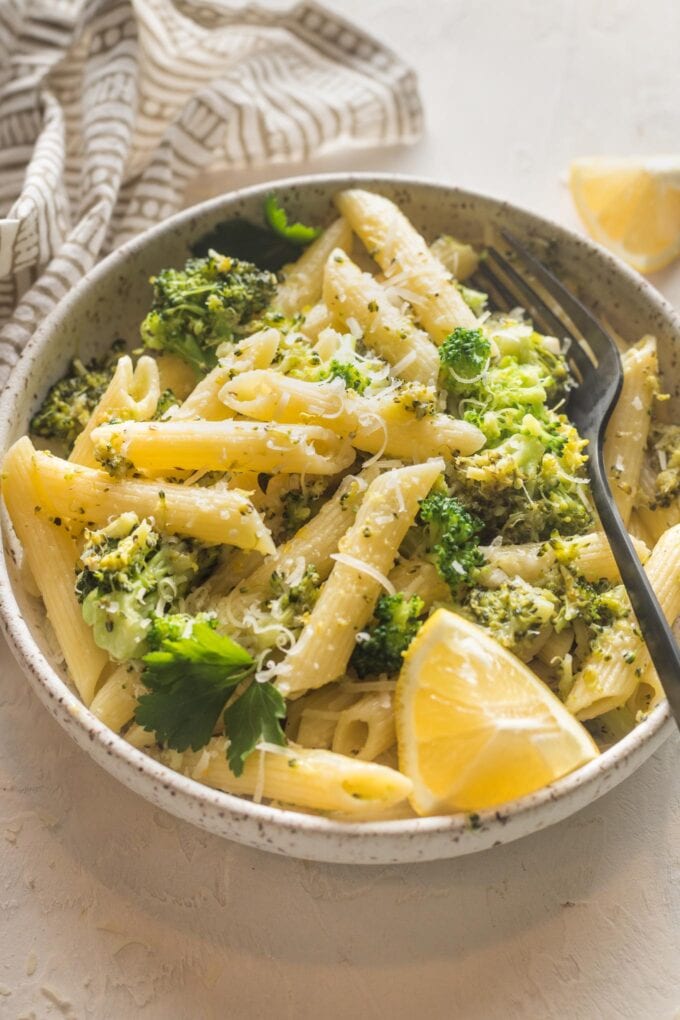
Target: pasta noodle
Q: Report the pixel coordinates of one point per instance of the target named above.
(132, 393)
(315, 779)
(302, 281)
(379, 425)
(172, 446)
(79, 494)
(628, 426)
(407, 262)
(620, 662)
(351, 294)
(346, 603)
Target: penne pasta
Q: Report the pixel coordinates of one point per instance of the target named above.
(628, 427)
(214, 515)
(172, 446)
(620, 661)
(408, 264)
(256, 351)
(387, 425)
(132, 393)
(356, 297)
(366, 729)
(303, 280)
(115, 702)
(367, 552)
(313, 779)
(52, 554)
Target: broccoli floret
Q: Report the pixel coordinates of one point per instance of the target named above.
(351, 375)
(516, 614)
(129, 575)
(664, 445)
(176, 627)
(451, 539)
(380, 649)
(199, 307)
(291, 602)
(66, 409)
(464, 357)
(527, 487)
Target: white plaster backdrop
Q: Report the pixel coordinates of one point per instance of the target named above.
(112, 909)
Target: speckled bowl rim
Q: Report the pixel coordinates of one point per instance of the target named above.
(208, 807)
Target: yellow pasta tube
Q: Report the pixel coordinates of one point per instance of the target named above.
(132, 393)
(619, 662)
(302, 280)
(313, 779)
(215, 515)
(589, 555)
(366, 729)
(171, 446)
(418, 577)
(313, 544)
(367, 553)
(358, 298)
(379, 425)
(52, 555)
(255, 351)
(406, 261)
(654, 518)
(628, 427)
(311, 719)
(115, 702)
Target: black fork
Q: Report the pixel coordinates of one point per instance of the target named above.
(596, 363)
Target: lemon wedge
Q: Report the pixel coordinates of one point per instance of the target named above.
(475, 727)
(632, 206)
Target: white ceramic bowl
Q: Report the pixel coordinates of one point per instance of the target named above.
(110, 302)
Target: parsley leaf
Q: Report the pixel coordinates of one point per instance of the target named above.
(190, 680)
(251, 718)
(296, 233)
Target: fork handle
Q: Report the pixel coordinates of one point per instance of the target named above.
(656, 631)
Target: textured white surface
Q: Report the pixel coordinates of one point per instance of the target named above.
(111, 909)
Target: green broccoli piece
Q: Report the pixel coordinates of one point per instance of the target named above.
(277, 220)
(516, 614)
(129, 575)
(197, 308)
(527, 487)
(381, 648)
(464, 357)
(67, 408)
(451, 539)
(290, 603)
(351, 375)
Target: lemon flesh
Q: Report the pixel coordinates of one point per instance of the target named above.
(632, 206)
(475, 726)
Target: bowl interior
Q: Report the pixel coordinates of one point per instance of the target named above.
(112, 299)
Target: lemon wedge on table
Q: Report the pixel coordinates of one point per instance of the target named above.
(632, 206)
(475, 726)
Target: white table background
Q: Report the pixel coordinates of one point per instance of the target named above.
(112, 909)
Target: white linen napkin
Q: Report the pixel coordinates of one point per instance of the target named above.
(111, 109)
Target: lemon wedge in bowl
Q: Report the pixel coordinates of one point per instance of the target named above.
(632, 206)
(475, 727)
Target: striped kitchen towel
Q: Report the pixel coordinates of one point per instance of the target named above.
(111, 111)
